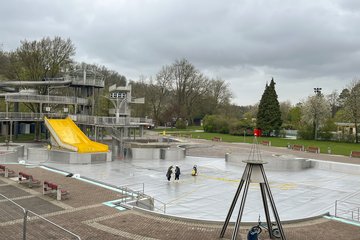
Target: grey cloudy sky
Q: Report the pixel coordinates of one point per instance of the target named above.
(302, 44)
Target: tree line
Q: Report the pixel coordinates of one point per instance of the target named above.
(181, 93)
(314, 118)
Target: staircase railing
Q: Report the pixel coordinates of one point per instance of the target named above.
(347, 210)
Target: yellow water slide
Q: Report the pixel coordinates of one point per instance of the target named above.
(69, 136)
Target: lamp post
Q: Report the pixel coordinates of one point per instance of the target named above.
(118, 103)
(317, 92)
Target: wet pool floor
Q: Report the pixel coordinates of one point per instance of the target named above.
(297, 194)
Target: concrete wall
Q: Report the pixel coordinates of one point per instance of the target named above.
(281, 164)
(19, 149)
(157, 153)
(37, 155)
(40, 155)
(285, 164)
(335, 166)
(172, 153)
(145, 153)
(8, 156)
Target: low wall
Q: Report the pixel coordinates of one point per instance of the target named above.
(145, 153)
(273, 163)
(40, 155)
(172, 154)
(285, 164)
(37, 155)
(19, 149)
(336, 166)
(8, 156)
(157, 153)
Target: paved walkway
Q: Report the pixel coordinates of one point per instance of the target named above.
(85, 214)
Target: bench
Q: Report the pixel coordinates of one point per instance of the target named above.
(54, 190)
(266, 143)
(355, 154)
(29, 179)
(313, 149)
(298, 147)
(7, 172)
(216, 139)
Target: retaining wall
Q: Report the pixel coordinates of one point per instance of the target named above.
(40, 155)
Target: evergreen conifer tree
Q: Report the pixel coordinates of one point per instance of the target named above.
(269, 114)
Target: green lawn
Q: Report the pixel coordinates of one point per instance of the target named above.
(338, 148)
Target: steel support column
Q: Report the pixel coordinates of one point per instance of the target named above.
(227, 220)
(276, 215)
(265, 192)
(242, 204)
(11, 129)
(266, 209)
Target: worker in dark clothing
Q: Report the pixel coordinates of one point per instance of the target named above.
(169, 172)
(177, 173)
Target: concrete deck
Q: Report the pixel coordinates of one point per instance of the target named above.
(85, 214)
(298, 193)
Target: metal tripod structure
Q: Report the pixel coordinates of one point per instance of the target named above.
(254, 172)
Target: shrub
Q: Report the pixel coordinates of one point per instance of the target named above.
(306, 132)
(180, 124)
(327, 129)
(240, 127)
(209, 123)
(215, 124)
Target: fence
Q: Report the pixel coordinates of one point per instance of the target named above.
(136, 196)
(46, 99)
(16, 222)
(95, 120)
(80, 80)
(347, 210)
(152, 204)
(29, 116)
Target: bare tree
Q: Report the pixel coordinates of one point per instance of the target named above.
(45, 58)
(38, 60)
(219, 90)
(315, 110)
(352, 106)
(285, 109)
(182, 91)
(333, 101)
(158, 93)
(189, 86)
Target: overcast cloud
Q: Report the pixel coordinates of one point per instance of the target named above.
(302, 44)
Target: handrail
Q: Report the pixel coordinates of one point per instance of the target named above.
(79, 80)
(56, 225)
(37, 215)
(134, 184)
(25, 214)
(109, 121)
(79, 118)
(45, 99)
(164, 205)
(29, 115)
(131, 193)
(353, 210)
